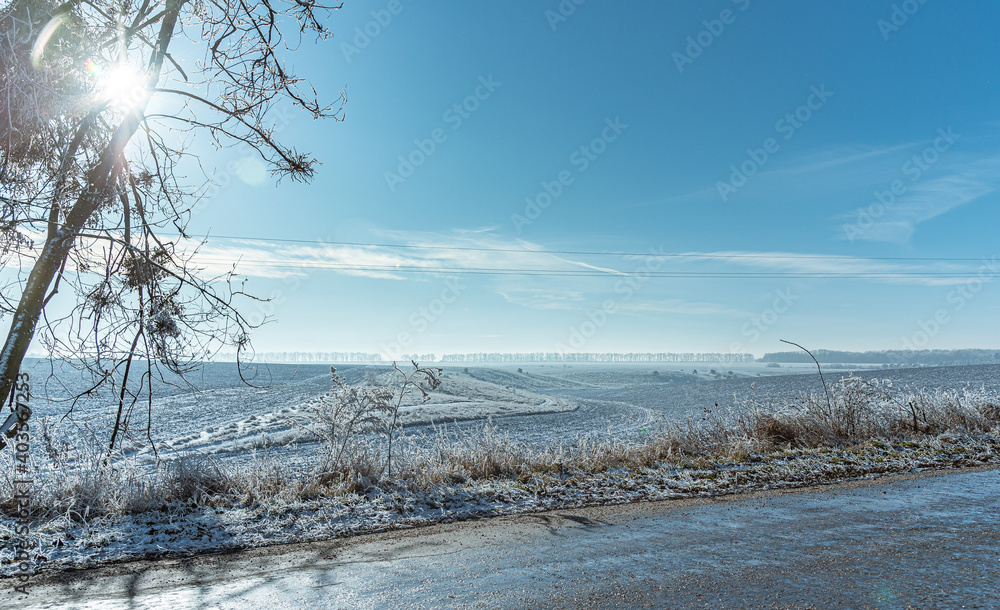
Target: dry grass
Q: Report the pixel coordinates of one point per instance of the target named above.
(81, 482)
(859, 411)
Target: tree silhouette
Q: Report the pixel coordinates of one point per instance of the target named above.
(95, 112)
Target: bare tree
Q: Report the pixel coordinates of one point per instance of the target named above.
(92, 99)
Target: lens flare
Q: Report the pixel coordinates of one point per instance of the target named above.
(93, 68)
(121, 85)
(38, 48)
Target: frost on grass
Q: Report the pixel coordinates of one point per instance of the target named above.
(94, 511)
(461, 397)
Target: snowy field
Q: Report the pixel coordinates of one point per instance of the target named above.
(538, 404)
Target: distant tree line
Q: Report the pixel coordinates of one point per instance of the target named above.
(316, 357)
(495, 357)
(629, 357)
(932, 356)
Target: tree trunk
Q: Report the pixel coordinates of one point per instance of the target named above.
(29, 310)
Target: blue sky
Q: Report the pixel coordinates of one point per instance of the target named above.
(635, 125)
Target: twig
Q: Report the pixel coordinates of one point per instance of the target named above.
(829, 403)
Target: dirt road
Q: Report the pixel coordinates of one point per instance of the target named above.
(930, 540)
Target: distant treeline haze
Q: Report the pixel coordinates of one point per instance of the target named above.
(927, 356)
(474, 358)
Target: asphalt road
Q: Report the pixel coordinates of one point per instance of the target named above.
(930, 540)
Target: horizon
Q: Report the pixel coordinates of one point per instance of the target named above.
(357, 356)
(984, 356)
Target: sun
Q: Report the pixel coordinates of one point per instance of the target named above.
(120, 85)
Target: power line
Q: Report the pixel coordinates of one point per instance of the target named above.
(597, 272)
(591, 252)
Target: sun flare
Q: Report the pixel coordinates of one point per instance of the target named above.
(121, 85)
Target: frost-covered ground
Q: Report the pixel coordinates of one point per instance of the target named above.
(540, 405)
(461, 397)
(179, 531)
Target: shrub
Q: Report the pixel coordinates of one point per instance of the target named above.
(342, 419)
(349, 421)
(773, 431)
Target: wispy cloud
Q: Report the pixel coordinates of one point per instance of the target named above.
(422, 255)
(837, 175)
(809, 171)
(276, 260)
(929, 273)
(607, 270)
(440, 255)
(930, 199)
(848, 156)
(679, 307)
(542, 298)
